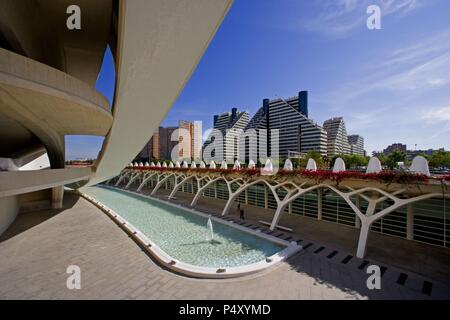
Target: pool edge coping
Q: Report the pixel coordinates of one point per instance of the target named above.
(191, 270)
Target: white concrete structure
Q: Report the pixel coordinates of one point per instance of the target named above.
(224, 165)
(339, 165)
(288, 166)
(48, 76)
(251, 164)
(212, 165)
(311, 165)
(420, 165)
(374, 165)
(268, 167)
(202, 164)
(237, 165)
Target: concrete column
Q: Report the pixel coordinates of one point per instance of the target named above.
(290, 208)
(362, 242)
(57, 197)
(409, 222)
(266, 200)
(357, 220)
(215, 190)
(246, 196)
(319, 203)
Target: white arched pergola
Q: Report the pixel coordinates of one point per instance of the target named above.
(294, 188)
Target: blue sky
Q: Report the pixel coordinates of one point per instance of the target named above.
(390, 85)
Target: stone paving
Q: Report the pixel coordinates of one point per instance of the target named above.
(34, 261)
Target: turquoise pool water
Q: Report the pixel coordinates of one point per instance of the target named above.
(183, 235)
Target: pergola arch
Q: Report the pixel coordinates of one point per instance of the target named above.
(293, 190)
(367, 219)
(178, 185)
(160, 182)
(235, 194)
(123, 175)
(150, 176)
(203, 188)
(134, 177)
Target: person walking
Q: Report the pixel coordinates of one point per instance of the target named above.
(241, 214)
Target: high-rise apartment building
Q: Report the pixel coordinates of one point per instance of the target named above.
(165, 140)
(337, 137)
(156, 148)
(356, 144)
(192, 149)
(197, 141)
(296, 132)
(395, 146)
(231, 125)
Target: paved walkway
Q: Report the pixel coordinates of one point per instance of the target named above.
(34, 260)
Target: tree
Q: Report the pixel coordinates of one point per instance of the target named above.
(355, 161)
(352, 161)
(321, 162)
(383, 159)
(439, 159)
(395, 157)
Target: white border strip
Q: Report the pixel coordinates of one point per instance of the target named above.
(192, 270)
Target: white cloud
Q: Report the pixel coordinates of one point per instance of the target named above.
(413, 69)
(437, 114)
(386, 103)
(339, 18)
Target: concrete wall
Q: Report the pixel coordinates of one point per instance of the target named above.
(9, 207)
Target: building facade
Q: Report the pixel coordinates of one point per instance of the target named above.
(166, 140)
(395, 146)
(231, 125)
(356, 144)
(191, 149)
(411, 154)
(296, 132)
(337, 137)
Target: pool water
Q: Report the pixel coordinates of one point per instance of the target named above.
(183, 235)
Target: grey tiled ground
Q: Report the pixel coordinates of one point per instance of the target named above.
(33, 266)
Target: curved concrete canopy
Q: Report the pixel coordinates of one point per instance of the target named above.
(19, 182)
(38, 101)
(37, 29)
(159, 45)
(60, 101)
